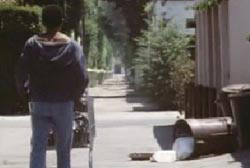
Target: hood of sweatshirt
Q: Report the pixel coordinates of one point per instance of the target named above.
(56, 52)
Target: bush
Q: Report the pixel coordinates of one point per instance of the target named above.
(165, 63)
(17, 24)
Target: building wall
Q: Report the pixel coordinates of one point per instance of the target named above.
(239, 19)
(175, 10)
(212, 57)
(224, 41)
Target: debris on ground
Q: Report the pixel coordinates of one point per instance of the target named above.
(140, 156)
(164, 156)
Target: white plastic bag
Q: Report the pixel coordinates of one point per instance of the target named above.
(164, 156)
(184, 147)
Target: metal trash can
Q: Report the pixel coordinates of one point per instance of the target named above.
(223, 97)
(240, 103)
(212, 136)
(223, 103)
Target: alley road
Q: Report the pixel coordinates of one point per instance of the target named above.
(126, 123)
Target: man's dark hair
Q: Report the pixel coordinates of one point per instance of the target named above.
(52, 16)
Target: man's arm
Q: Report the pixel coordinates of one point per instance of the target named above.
(81, 73)
(22, 72)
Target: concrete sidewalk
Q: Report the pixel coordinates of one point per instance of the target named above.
(125, 124)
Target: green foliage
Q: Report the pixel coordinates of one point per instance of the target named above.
(149, 7)
(106, 32)
(206, 4)
(92, 31)
(165, 63)
(119, 22)
(73, 11)
(115, 26)
(36, 2)
(17, 24)
(14, 2)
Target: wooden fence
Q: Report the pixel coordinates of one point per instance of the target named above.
(200, 102)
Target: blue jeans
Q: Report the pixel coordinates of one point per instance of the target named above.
(46, 116)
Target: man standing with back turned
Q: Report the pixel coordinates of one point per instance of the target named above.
(54, 66)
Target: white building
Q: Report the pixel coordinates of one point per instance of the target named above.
(177, 11)
(223, 53)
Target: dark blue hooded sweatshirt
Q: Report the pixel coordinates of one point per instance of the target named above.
(55, 71)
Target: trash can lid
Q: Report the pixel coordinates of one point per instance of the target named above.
(236, 88)
(239, 95)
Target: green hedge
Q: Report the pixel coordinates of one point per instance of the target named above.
(17, 24)
(165, 63)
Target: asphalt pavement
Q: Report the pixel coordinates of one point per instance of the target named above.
(126, 122)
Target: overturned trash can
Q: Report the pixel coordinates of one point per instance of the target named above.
(211, 136)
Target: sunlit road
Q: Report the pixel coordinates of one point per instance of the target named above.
(126, 123)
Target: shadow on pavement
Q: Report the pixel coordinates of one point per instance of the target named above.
(164, 136)
(242, 157)
(146, 103)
